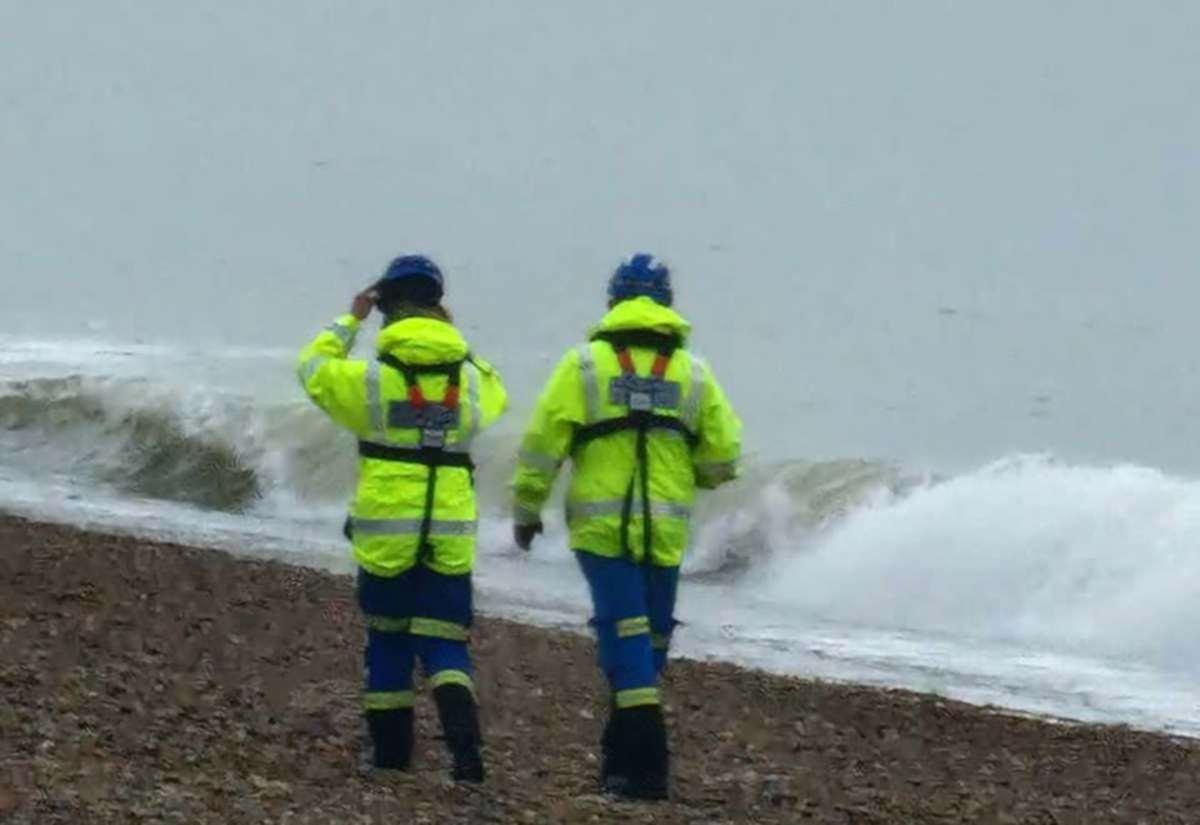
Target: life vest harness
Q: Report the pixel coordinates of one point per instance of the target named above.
(435, 421)
(642, 396)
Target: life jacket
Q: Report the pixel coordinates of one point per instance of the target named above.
(641, 396)
(435, 421)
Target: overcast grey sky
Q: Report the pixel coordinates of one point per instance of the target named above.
(928, 206)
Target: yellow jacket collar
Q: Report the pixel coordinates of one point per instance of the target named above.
(422, 341)
(644, 313)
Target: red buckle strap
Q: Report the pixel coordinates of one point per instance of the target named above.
(661, 362)
(626, 362)
(415, 396)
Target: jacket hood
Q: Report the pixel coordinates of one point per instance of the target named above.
(422, 341)
(644, 313)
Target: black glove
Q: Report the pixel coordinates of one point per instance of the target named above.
(523, 534)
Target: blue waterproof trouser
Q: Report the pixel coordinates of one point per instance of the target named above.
(419, 613)
(634, 618)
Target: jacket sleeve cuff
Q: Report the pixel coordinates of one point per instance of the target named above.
(345, 329)
(524, 516)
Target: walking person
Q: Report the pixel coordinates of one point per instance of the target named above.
(644, 423)
(416, 409)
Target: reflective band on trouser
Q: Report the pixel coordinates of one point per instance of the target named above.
(637, 697)
(539, 461)
(615, 507)
(344, 334)
(438, 629)
(637, 626)
(591, 382)
(658, 641)
(411, 526)
(386, 624)
(391, 700)
(452, 677)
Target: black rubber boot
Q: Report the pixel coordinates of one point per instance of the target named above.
(645, 735)
(460, 724)
(392, 735)
(614, 750)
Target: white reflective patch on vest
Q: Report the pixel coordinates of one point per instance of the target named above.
(474, 380)
(375, 401)
(591, 383)
(402, 415)
(410, 527)
(691, 410)
(615, 507)
(644, 393)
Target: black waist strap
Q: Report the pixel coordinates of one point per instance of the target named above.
(415, 455)
(635, 421)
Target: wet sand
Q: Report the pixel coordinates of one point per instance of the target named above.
(149, 682)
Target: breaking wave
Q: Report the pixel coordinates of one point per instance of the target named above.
(1025, 549)
(1103, 558)
(227, 453)
(100, 430)
(206, 450)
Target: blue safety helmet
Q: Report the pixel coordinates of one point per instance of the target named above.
(642, 275)
(412, 279)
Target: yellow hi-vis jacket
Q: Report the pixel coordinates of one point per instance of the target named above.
(372, 400)
(589, 411)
